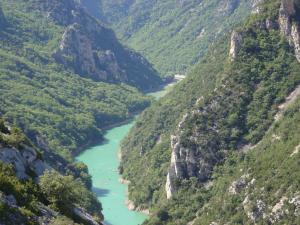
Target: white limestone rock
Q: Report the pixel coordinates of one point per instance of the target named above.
(235, 45)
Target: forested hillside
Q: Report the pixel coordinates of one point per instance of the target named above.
(172, 35)
(186, 150)
(222, 147)
(64, 76)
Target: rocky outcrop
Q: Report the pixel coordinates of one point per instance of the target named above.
(25, 161)
(13, 215)
(237, 186)
(235, 45)
(285, 206)
(289, 100)
(92, 50)
(88, 58)
(288, 27)
(254, 213)
(169, 187)
(256, 6)
(83, 216)
(184, 163)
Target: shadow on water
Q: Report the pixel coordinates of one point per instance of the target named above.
(100, 192)
(107, 223)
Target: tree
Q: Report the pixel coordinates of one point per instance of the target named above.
(63, 192)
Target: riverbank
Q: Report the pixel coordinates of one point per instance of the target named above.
(103, 160)
(159, 92)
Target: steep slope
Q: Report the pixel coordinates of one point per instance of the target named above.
(92, 50)
(58, 60)
(256, 187)
(31, 195)
(173, 35)
(254, 75)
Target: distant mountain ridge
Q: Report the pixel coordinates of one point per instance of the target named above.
(172, 35)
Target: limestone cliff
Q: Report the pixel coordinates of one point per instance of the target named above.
(289, 27)
(235, 45)
(24, 161)
(199, 142)
(92, 50)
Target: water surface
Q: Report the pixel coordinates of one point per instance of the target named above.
(102, 161)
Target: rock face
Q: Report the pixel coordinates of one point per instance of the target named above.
(89, 60)
(237, 186)
(24, 161)
(195, 156)
(184, 163)
(235, 44)
(288, 27)
(254, 213)
(256, 6)
(84, 216)
(93, 51)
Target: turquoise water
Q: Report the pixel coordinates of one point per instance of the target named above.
(102, 161)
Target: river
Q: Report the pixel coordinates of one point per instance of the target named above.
(102, 161)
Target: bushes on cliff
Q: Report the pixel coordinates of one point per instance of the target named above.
(65, 193)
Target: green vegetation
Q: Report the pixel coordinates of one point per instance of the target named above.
(46, 100)
(13, 137)
(272, 173)
(26, 194)
(220, 121)
(24, 201)
(173, 35)
(64, 193)
(62, 221)
(146, 150)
